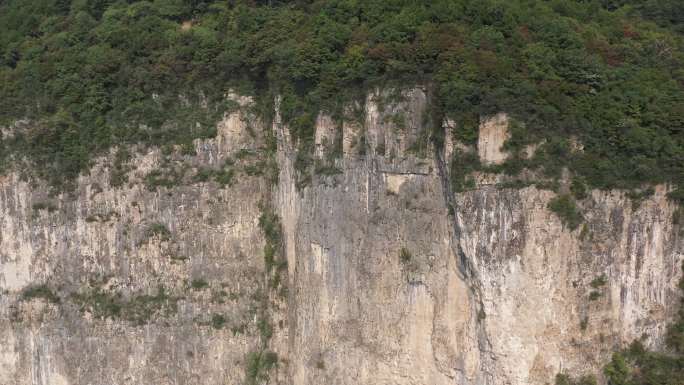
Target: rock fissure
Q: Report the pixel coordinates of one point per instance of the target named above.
(466, 266)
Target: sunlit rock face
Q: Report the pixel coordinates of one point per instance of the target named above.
(493, 134)
(391, 278)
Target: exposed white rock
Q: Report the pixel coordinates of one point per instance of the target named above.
(493, 133)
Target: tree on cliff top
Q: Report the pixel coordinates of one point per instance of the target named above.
(90, 74)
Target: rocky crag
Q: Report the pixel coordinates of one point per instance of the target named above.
(223, 265)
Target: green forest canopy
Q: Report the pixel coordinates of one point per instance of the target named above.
(90, 74)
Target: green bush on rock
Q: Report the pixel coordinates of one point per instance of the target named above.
(564, 206)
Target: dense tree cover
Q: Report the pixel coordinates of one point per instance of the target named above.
(90, 74)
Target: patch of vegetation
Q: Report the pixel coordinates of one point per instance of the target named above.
(178, 258)
(218, 321)
(202, 175)
(93, 75)
(118, 171)
(326, 169)
(550, 185)
(167, 177)
(675, 334)
(596, 284)
(584, 232)
(219, 296)
(49, 206)
(158, 230)
(583, 324)
(199, 284)
(261, 361)
(101, 217)
(563, 379)
(137, 308)
(678, 216)
(102, 304)
(564, 206)
(599, 282)
(481, 314)
(269, 222)
(461, 166)
(404, 255)
(265, 329)
(637, 366)
(224, 176)
(514, 184)
(578, 188)
(258, 366)
(639, 195)
(42, 291)
(677, 195)
(247, 162)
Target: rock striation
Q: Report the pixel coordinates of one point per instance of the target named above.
(390, 277)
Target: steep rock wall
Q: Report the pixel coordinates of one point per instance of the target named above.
(390, 279)
(210, 264)
(358, 313)
(362, 311)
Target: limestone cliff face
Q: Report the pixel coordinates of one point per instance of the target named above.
(391, 278)
(109, 240)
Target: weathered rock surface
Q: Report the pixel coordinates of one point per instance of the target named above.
(493, 134)
(102, 234)
(385, 284)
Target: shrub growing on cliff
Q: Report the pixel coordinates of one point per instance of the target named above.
(638, 366)
(158, 230)
(594, 295)
(677, 195)
(49, 206)
(404, 255)
(42, 291)
(462, 164)
(199, 284)
(269, 222)
(564, 206)
(599, 281)
(675, 334)
(168, 177)
(578, 189)
(137, 308)
(564, 379)
(218, 321)
(225, 176)
(258, 365)
(100, 303)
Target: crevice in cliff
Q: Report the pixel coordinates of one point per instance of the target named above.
(466, 267)
(286, 202)
(467, 271)
(262, 363)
